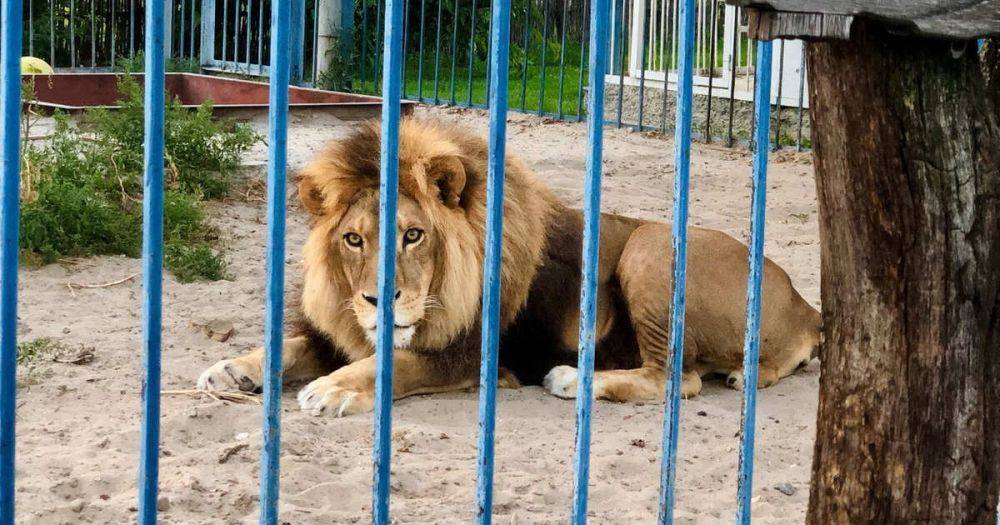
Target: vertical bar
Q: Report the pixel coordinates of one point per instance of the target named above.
(260, 37)
(406, 41)
(489, 54)
(225, 32)
(52, 33)
(781, 77)
(437, 56)
(420, 53)
(236, 33)
(642, 67)
(583, 51)
(180, 40)
(490, 342)
(191, 31)
(388, 192)
(751, 343)
(545, 41)
(93, 35)
(72, 34)
(472, 51)
(207, 31)
(454, 48)
(131, 29)
(249, 33)
(277, 138)
(562, 59)
(114, 48)
(666, 69)
(315, 44)
(682, 171)
(591, 246)
(621, 60)
(296, 39)
(364, 39)
(714, 20)
(802, 87)
(11, 20)
(31, 28)
(732, 75)
(527, 47)
(152, 262)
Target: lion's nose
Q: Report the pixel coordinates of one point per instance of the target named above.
(374, 299)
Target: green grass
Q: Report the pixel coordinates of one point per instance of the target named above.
(532, 86)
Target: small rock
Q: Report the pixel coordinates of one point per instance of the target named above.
(640, 443)
(702, 413)
(163, 504)
(786, 489)
(219, 330)
(77, 505)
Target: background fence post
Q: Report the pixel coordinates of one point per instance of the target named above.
(168, 23)
(297, 35)
(207, 31)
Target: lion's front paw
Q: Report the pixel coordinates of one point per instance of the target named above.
(231, 374)
(561, 381)
(326, 396)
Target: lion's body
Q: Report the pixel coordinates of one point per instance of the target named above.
(442, 191)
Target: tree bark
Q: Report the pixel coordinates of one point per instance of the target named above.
(907, 155)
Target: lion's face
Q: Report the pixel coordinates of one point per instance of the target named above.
(356, 242)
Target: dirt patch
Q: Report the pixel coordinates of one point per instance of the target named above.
(78, 427)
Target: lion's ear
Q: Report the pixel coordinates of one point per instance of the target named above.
(309, 193)
(447, 175)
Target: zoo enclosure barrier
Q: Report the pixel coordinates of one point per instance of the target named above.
(339, 44)
(281, 64)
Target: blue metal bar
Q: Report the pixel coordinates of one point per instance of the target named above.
(490, 343)
(751, 343)
(152, 262)
(591, 246)
(10, 187)
(277, 139)
(682, 164)
(388, 192)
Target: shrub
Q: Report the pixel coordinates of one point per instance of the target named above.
(86, 192)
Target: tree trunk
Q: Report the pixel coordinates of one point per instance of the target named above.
(907, 152)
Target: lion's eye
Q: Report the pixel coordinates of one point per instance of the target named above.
(353, 240)
(413, 235)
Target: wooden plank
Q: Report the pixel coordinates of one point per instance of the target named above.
(959, 19)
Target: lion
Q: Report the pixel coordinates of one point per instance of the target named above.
(441, 229)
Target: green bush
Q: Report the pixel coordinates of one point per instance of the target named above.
(86, 192)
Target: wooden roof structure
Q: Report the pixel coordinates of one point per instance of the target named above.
(953, 19)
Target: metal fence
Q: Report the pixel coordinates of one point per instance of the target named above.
(446, 54)
(281, 16)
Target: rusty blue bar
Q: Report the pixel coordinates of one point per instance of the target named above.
(490, 342)
(751, 342)
(10, 187)
(591, 247)
(682, 163)
(277, 140)
(152, 262)
(388, 191)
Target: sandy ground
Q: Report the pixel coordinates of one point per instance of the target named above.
(78, 425)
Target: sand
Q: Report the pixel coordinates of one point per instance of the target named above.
(78, 424)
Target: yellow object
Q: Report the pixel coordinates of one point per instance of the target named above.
(35, 66)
